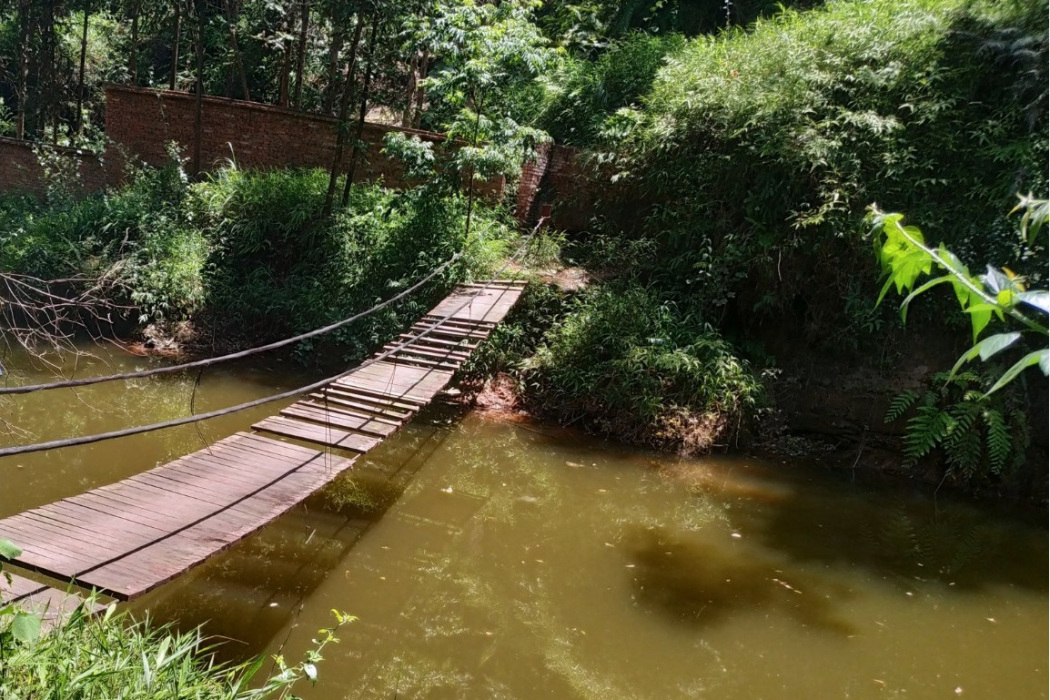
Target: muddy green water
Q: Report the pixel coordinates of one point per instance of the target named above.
(487, 559)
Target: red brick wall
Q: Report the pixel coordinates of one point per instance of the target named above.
(20, 170)
(142, 122)
(575, 189)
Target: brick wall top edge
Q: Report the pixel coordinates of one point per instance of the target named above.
(29, 145)
(261, 107)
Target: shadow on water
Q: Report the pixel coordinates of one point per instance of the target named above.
(903, 537)
(250, 593)
(700, 584)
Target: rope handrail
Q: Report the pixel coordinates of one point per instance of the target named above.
(239, 355)
(197, 417)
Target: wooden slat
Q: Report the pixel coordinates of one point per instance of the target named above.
(432, 353)
(338, 419)
(400, 381)
(350, 402)
(168, 519)
(322, 434)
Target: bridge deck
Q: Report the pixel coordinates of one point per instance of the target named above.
(125, 539)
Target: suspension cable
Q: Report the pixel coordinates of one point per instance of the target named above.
(125, 432)
(207, 362)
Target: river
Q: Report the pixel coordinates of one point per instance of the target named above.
(494, 559)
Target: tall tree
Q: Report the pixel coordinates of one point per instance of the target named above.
(344, 110)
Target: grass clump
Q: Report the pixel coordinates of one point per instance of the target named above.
(627, 363)
(115, 657)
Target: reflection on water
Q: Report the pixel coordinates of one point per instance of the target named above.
(491, 560)
(700, 583)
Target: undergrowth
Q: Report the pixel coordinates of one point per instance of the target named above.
(757, 151)
(626, 362)
(249, 255)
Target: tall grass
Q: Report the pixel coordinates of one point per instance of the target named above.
(115, 657)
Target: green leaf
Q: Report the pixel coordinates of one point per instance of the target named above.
(928, 285)
(25, 627)
(1037, 357)
(980, 316)
(994, 344)
(9, 550)
(1040, 299)
(987, 348)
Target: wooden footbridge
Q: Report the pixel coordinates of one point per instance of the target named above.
(127, 538)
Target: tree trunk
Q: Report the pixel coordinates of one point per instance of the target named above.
(344, 110)
(173, 70)
(198, 41)
(232, 14)
(300, 63)
(133, 62)
(361, 115)
(474, 143)
(48, 85)
(80, 79)
(23, 69)
(410, 90)
(282, 79)
(332, 85)
(421, 94)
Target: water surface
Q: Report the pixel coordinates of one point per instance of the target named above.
(491, 559)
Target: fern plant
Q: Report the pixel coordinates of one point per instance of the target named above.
(976, 432)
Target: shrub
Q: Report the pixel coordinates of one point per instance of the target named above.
(758, 150)
(583, 94)
(629, 363)
(279, 267)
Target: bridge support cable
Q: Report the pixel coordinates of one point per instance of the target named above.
(390, 350)
(239, 355)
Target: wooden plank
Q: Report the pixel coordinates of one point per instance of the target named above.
(324, 435)
(343, 399)
(440, 354)
(335, 401)
(458, 322)
(462, 346)
(447, 329)
(476, 304)
(419, 361)
(319, 414)
(143, 570)
(397, 381)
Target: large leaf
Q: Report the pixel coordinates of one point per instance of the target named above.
(928, 285)
(987, 348)
(1038, 357)
(25, 627)
(1040, 299)
(9, 550)
(980, 315)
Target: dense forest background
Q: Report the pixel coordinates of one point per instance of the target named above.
(738, 146)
